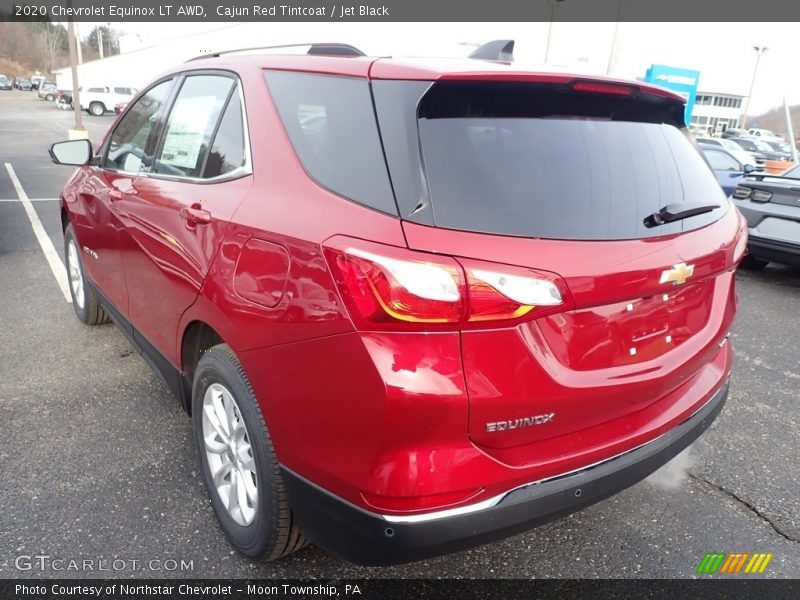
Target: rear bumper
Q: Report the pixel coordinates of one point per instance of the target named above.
(767, 243)
(774, 250)
(362, 537)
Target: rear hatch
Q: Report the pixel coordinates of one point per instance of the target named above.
(559, 178)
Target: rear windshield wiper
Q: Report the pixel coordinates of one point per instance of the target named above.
(678, 212)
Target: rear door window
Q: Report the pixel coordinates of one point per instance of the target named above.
(227, 151)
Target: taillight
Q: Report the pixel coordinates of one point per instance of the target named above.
(500, 292)
(742, 192)
(385, 287)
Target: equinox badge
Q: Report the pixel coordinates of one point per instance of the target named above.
(520, 423)
(678, 274)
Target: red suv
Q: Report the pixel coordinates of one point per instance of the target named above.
(412, 306)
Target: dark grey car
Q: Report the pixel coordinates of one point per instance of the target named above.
(771, 205)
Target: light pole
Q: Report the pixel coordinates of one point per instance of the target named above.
(553, 4)
(612, 55)
(760, 50)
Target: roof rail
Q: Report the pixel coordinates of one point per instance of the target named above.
(501, 50)
(314, 48)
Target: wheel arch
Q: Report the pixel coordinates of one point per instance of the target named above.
(198, 337)
(64, 218)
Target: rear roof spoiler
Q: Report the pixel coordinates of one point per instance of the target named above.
(500, 50)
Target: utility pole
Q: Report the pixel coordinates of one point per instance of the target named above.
(759, 53)
(79, 131)
(77, 37)
(100, 42)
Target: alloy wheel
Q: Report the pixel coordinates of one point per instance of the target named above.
(75, 274)
(229, 454)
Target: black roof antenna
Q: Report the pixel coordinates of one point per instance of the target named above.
(501, 50)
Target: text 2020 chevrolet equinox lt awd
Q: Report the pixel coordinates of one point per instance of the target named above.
(412, 306)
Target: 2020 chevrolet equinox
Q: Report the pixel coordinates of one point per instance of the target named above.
(412, 306)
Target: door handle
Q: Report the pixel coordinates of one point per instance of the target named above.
(114, 195)
(195, 216)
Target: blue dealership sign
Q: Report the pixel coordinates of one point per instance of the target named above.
(680, 81)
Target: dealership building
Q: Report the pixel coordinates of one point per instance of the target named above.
(715, 111)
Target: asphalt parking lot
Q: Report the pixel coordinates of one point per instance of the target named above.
(97, 460)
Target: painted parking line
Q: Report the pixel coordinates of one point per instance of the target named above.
(30, 199)
(53, 259)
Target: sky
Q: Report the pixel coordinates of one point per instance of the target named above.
(722, 52)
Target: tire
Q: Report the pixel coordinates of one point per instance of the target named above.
(259, 523)
(49, 97)
(751, 263)
(98, 109)
(84, 298)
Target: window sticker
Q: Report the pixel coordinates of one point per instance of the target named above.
(190, 118)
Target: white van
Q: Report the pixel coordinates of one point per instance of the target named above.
(98, 100)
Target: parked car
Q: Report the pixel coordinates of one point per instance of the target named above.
(5, 83)
(754, 145)
(728, 169)
(782, 148)
(771, 205)
(731, 132)
(746, 158)
(400, 322)
(23, 84)
(98, 100)
(48, 91)
(764, 134)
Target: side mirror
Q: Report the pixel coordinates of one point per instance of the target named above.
(749, 168)
(74, 152)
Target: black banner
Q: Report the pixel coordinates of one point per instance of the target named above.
(118, 11)
(391, 589)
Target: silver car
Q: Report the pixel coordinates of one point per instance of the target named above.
(771, 205)
(48, 91)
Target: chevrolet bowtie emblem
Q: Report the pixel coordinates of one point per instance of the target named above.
(678, 274)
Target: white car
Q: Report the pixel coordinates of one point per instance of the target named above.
(765, 134)
(98, 100)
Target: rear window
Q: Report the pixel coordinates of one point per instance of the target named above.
(536, 161)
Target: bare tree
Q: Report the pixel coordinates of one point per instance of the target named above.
(51, 40)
